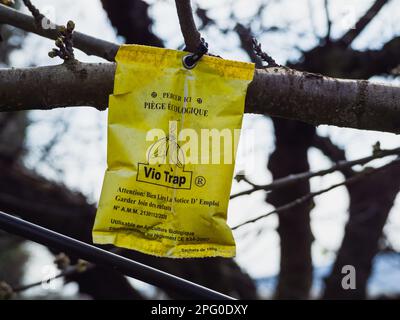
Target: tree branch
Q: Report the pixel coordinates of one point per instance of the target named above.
(352, 64)
(37, 15)
(312, 195)
(58, 86)
(245, 37)
(366, 64)
(188, 27)
(328, 21)
(88, 44)
(333, 152)
(295, 178)
(80, 267)
(279, 92)
(352, 34)
(290, 94)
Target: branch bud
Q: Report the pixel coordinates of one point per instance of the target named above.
(59, 42)
(53, 53)
(70, 26)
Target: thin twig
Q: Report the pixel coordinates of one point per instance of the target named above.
(80, 267)
(352, 34)
(37, 15)
(206, 21)
(328, 21)
(63, 263)
(64, 41)
(295, 178)
(246, 40)
(312, 195)
(88, 44)
(333, 152)
(62, 127)
(189, 30)
(263, 55)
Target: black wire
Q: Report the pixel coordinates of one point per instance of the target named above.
(190, 61)
(99, 256)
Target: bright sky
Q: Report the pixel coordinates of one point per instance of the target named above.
(81, 152)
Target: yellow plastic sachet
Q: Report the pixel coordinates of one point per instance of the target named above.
(172, 139)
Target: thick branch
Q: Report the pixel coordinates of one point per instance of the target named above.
(69, 84)
(276, 92)
(88, 44)
(188, 26)
(279, 92)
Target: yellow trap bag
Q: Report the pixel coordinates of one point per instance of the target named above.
(172, 139)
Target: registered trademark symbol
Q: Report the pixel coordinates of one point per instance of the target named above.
(199, 100)
(154, 94)
(200, 181)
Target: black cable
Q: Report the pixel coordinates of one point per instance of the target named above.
(99, 256)
(190, 61)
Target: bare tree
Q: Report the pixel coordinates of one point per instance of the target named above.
(297, 92)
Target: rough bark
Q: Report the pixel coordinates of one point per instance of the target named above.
(279, 92)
